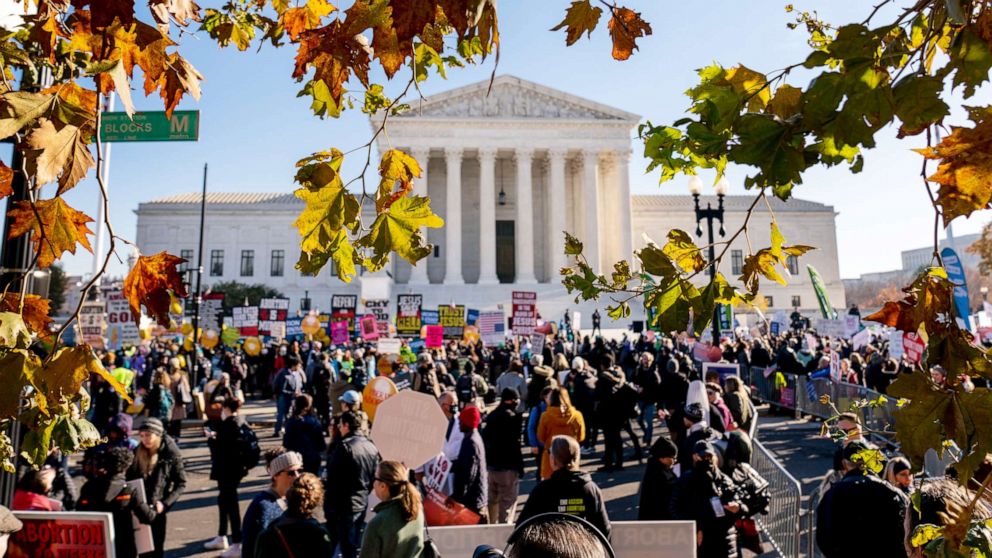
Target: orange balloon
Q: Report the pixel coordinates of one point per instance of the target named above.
(252, 346)
(378, 390)
(209, 339)
(310, 324)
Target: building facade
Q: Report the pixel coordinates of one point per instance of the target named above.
(509, 171)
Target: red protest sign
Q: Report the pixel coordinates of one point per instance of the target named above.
(913, 346)
(62, 534)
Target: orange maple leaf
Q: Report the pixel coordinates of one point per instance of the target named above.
(626, 26)
(35, 314)
(6, 180)
(59, 229)
(152, 282)
(335, 54)
(965, 171)
(178, 79)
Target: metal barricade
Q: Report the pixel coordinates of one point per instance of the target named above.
(812, 551)
(782, 524)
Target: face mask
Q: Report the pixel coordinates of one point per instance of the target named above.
(282, 351)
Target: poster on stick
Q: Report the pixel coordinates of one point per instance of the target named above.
(452, 319)
(524, 312)
(272, 314)
(434, 337)
(408, 308)
(369, 328)
(57, 534)
(245, 319)
(343, 310)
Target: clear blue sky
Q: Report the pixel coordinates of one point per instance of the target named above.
(253, 128)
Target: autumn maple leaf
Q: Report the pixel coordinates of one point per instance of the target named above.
(59, 230)
(34, 313)
(626, 26)
(965, 171)
(153, 281)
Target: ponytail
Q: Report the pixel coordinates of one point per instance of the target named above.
(397, 478)
(411, 500)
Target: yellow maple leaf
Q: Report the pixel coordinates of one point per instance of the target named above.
(59, 229)
(965, 171)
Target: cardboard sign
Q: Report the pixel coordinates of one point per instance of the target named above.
(537, 343)
(452, 319)
(723, 369)
(272, 315)
(343, 310)
(492, 328)
(408, 318)
(434, 337)
(293, 328)
(524, 312)
(376, 391)
(388, 346)
(91, 323)
(120, 322)
(245, 319)
(913, 345)
(409, 427)
(56, 534)
(369, 327)
(211, 311)
(895, 345)
(339, 333)
(861, 339)
(836, 329)
(441, 510)
(852, 325)
(379, 307)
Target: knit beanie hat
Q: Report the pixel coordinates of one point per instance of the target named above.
(663, 447)
(153, 425)
(470, 417)
(694, 412)
(285, 461)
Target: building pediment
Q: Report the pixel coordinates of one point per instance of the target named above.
(514, 98)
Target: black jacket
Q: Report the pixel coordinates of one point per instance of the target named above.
(570, 491)
(649, 381)
(351, 469)
(861, 503)
(113, 495)
(225, 450)
(167, 481)
(470, 478)
(300, 536)
(657, 489)
(502, 437)
(306, 436)
(694, 501)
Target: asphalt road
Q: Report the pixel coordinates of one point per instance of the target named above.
(193, 521)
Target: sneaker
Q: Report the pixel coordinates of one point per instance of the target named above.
(216, 543)
(234, 551)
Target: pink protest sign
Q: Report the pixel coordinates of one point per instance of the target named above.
(370, 330)
(339, 333)
(434, 338)
(913, 346)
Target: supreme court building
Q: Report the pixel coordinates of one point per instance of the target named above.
(508, 171)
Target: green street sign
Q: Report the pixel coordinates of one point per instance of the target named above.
(151, 126)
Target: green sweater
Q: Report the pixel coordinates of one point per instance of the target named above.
(388, 535)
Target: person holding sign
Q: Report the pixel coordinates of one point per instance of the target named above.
(109, 492)
(159, 464)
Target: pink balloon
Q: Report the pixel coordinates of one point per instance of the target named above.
(715, 354)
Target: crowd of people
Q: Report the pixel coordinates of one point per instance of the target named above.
(507, 407)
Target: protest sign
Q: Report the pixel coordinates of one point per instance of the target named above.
(409, 427)
(836, 329)
(343, 310)
(143, 540)
(47, 534)
(339, 332)
(472, 317)
(211, 311)
(722, 369)
(835, 366)
(408, 320)
(388, 346)
(524, 316)
(434, 338)
(379, 307)
(537, 343)
(860, 339)
(293, 328)
(441, 509)
(852, 325)
(376, 391)
(895, 345)
(245, 319)
(91, 323)
(913, 345)
(121, 326)
(369, 328)
(272, 315)
(452, 319)
(492, 328)
(429, 317)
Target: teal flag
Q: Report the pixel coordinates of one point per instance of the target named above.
(821, 293)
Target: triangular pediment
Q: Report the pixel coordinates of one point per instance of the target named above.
(514, 98)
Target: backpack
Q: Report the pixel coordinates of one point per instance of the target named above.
(249, 450)
(753, 490)
(465, 388)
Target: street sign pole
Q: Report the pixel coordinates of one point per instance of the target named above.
(101, 226)
(199, 280)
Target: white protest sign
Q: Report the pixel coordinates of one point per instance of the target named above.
(851, 325)
(120, 321)
(895, 344)
(537, 343)
(831, 328)
(409, 427)
(389, 346)
(861, 339)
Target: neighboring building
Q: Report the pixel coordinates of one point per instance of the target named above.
(913, 260)
(566, 156)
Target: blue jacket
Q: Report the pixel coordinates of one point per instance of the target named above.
(262, 511)
(535, 418)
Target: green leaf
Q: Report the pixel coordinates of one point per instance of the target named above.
(330, 211)
(21, 108)
(621, 275)
(771, 146)
(13, 332)
(425, 57)
(37, 442)
(323, 102)
(822, 98)
(17, 367)
(398, 230)
(971, 60)
(374, 99)
(573, 246)
(672, 303)
(655, 262)
(683, 251)
(918, 103)
(73, 434)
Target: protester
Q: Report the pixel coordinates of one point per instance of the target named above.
(514, 379)
(560, 538)
(32, 489)
(738, 402)
(283, 468)
(159, 402)
(560, 419)
(707, 496)
(109, 492)
(568, 484)
(504, 456)
(397, 530)
(715, 394)
(658, 483)
(304, 434)
(899, 474)
(351, 468)
(470, 479)
(648, 383)
(233, 452)
(288, 385)
(160, 466)
(296, 533)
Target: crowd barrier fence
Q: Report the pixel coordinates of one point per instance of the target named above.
(781, 525)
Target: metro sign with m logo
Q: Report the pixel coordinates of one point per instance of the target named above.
(184, 125)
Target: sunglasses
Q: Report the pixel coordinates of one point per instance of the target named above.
(293, 472)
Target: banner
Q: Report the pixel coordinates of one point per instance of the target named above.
(272, 315)
(955, 272)
(121, 327)
(57, 534)
(429, 317)
(452, 319)
(408, 320)
(524, 317)
(388, 346)
(339, 332)
(369, 328)
(836, 329)
(293, 328)
(91, 323)
(245, 319)
(343, 310)
(472, 317)
(435, 337)
(492, 328)
(379, 307)
(820, 288)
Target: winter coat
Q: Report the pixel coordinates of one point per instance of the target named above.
(657, 490)
(501, 435)
(265, 508)
(553, 423)
(648, 379)
(740, 409)
(693, 501)
(305, 435)
(540, 378)
(225, 450)
(695, 434)
(425, 381)
(389, 534)
(158, 403)
(861, 503)
(517, 382)
(469, 475)
(584, 390)
(300, 536)
(350, 471)
(337, 389)
(167, 481)
(113, 495)
(571, 492)
(533, 420)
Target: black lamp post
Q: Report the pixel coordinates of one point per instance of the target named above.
(709, 214)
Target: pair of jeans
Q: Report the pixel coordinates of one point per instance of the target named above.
(227, 503)
(646, 420)
(346, 532)
(283, 404)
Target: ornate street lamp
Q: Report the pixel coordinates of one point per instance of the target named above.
(709, 214)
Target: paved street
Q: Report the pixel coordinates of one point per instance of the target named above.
(193, 520)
